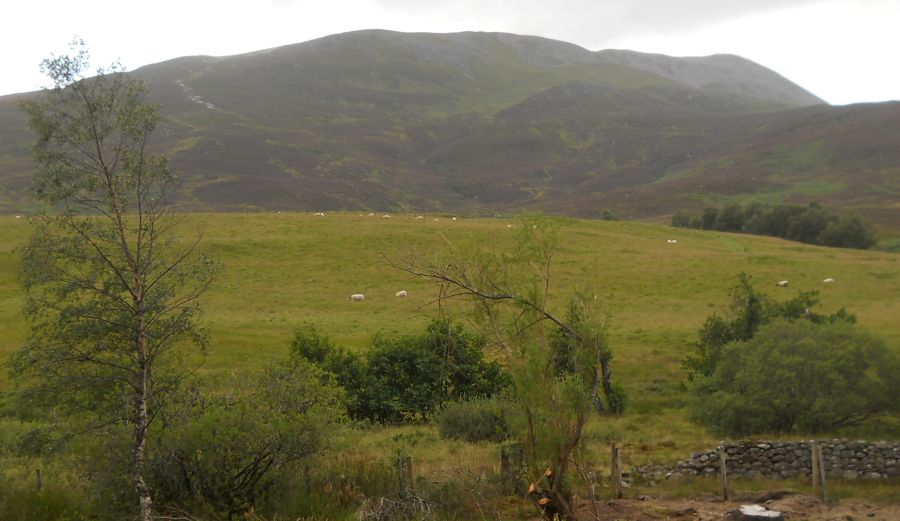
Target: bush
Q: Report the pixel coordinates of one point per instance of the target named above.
(474, 420)
(228, 452)
(406, 378)
(799, 376)
(749, 310)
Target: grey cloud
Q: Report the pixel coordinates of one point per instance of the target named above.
(591, 22)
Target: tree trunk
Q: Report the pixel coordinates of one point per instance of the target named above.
(141, 423)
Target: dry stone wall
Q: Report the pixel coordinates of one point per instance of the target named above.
(786, 459)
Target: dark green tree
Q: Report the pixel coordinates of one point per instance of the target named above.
(799, 376)
(681, 219)
(848, 231)
(748, 311)
(111, 293)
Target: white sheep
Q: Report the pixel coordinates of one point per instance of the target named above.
(357, 297)
(782, 284)
(401, 293)
(829, 280)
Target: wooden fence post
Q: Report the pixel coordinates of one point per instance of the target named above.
(815, 468)
(722, 456)
(38, 482)
(404, 472)
(511, 458)
(822, 474)
(615, 471)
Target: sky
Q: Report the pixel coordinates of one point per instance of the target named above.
(844, 51)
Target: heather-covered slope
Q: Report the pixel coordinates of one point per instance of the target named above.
(485, 122)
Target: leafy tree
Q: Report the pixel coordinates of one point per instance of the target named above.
(730, 219)
(799, 376)
(749, 309)
(812, 224)
(807, 225)
(111, 295)
(848, 231)
(554, 376)
(681, 219)
(709, 218)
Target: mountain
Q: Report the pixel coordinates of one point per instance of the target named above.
(488, 122)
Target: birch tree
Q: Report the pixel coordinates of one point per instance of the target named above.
(112, 289)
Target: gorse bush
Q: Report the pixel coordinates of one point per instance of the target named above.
(406, 378)
(474, 420)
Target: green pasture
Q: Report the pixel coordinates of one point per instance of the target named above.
(282, 270)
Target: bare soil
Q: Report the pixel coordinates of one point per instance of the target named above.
(793, 506)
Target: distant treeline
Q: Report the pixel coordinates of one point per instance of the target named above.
(810, 224)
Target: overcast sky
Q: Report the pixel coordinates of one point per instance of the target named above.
(844, 51)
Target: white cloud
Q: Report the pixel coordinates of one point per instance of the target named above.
(841, 50)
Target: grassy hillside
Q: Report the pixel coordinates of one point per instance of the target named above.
(487, 122)
(283, 270)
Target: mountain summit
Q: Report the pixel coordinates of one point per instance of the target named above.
(483, 122)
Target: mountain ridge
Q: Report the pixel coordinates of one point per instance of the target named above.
(487, 122)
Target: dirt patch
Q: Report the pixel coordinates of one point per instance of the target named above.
(794, 506)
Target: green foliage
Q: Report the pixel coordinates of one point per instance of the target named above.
(52, 503)
(749, 310)
(681, 219)
(474, 420)
(406, 378)
(608, 216)
(111, 299)
(799, 376)
(555, 362)
(812, 224)
(228, 452)
(848, 231)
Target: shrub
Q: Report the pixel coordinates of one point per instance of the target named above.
(749, 310)
(474, 420)
(799, 376)
(228, 452)
(406, 378)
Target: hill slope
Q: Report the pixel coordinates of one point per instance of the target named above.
(483, 122)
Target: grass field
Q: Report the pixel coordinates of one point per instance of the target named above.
(284, 270)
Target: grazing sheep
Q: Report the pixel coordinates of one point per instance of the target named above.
(829, 280)
(782, 284)
(401, 293)
(357, 297)
(320, 214)
(672, 241)
(385, 216)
